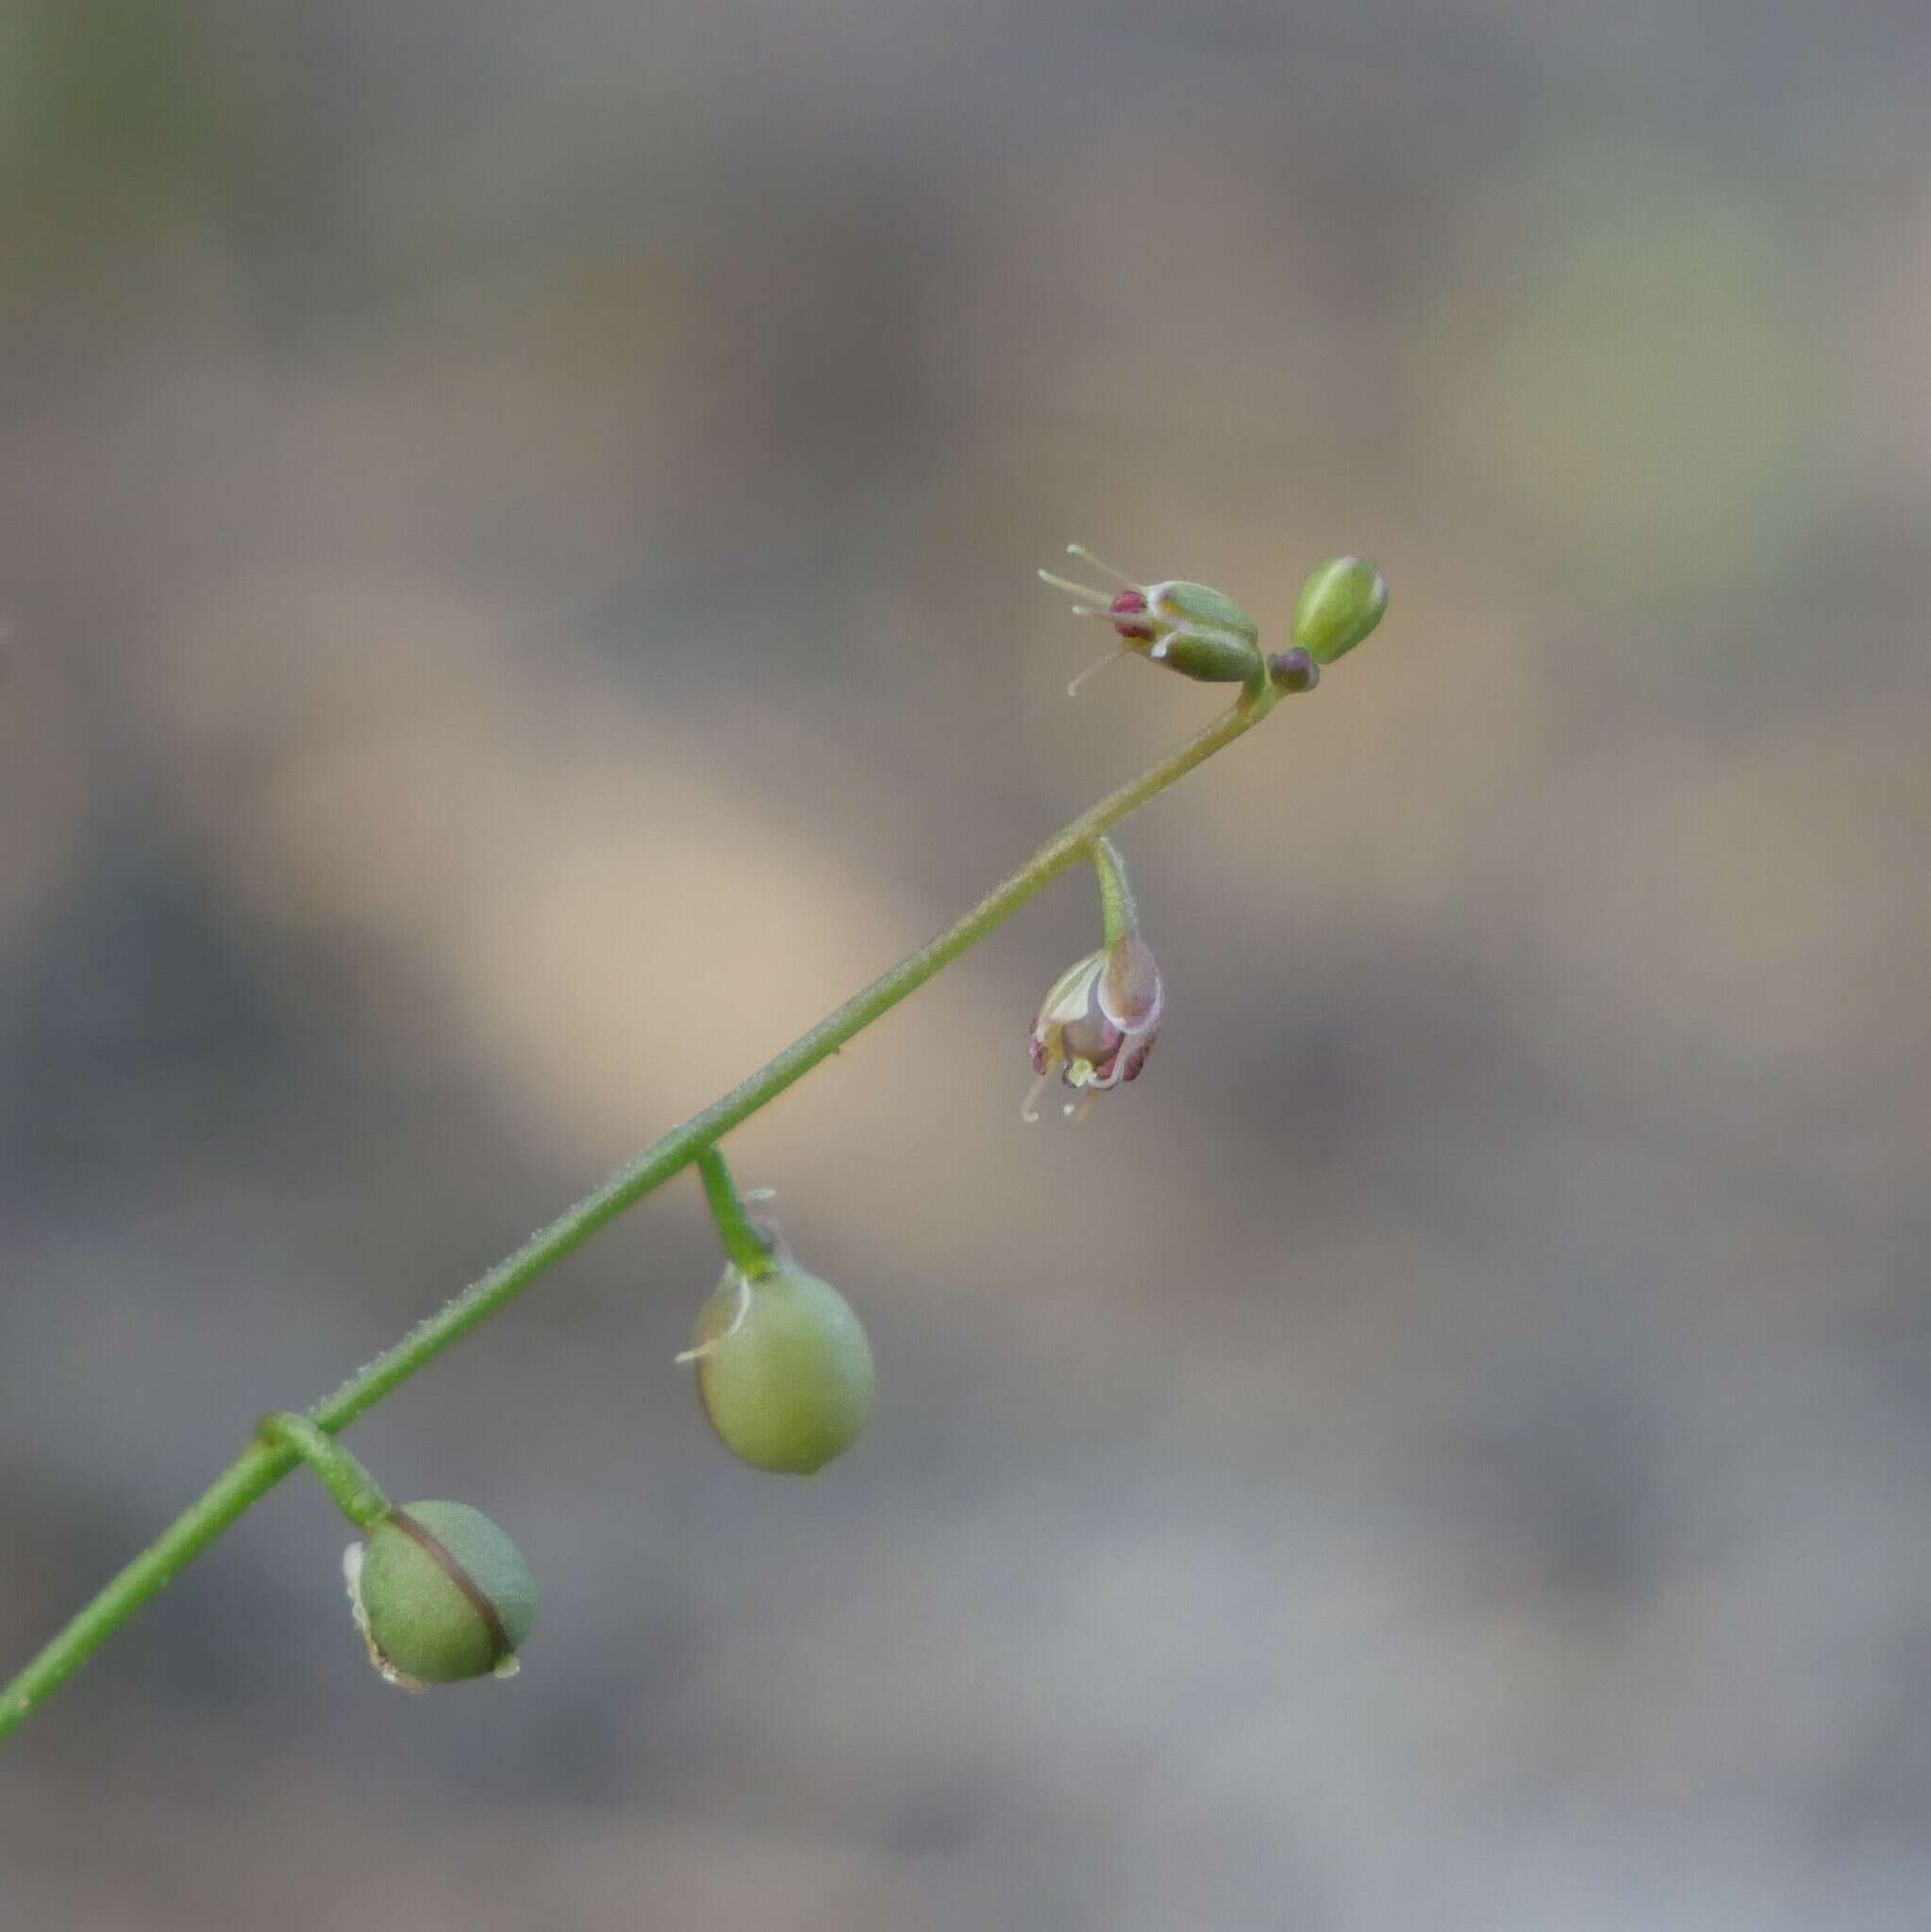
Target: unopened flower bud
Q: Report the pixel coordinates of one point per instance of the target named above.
(1096, 1027)
(439, 1593)
(1339, 606)
(784, 1370)
(1191, 628)
(1293, 670)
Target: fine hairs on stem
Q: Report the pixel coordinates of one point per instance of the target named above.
(443, 1593)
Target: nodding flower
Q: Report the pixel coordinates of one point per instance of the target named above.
(1191, 628)
(1096, 1027)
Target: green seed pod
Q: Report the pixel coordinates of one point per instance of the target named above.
(441, 1594)
(1339, 606)
(784, 1370)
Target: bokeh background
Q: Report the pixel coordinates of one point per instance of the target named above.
(516, 533)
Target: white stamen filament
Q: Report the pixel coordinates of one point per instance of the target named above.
(1098, 664)
(1099, 597)
(1100, 563)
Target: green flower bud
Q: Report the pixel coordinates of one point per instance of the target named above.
(439, 1593)
(1339, 606)
(1293, 670)
(784, 1370)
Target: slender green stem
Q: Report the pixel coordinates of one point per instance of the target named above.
(1116, 895)
(260, 1467)
(357, 1493)
(746, 1245)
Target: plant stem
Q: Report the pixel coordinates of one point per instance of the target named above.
(357, 1493)
(746, 1246)
(1117, 910)
(264, 1464)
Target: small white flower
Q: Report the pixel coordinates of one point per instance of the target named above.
(1096, 1027)
(1192, 628)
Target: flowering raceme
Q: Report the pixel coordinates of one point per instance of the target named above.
(784, 1370)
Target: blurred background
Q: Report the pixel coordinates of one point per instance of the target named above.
(516, 541)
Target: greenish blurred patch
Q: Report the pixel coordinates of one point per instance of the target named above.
(1623, 357)
(121, 121)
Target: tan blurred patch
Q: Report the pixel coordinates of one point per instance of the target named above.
(612, 912)
(1772, 911)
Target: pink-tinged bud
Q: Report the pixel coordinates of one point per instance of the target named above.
(1096, 1027)
(1129, 604)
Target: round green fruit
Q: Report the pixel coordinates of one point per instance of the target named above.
(784, 1370)
(442, 1594)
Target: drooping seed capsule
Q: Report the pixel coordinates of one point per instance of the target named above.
(784, 1370)
(1340, 604)
(439, 1593)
